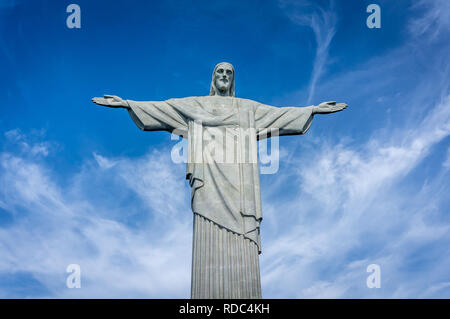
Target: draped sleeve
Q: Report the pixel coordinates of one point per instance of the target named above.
(167, 115)
(287, 120)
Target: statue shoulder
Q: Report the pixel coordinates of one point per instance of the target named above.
(189, 99)
(247, 103)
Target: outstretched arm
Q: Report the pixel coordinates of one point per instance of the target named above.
(290, 120)
(150, 115)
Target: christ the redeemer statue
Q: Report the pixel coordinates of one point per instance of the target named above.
(225, 193)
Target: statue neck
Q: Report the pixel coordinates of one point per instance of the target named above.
(223, 93)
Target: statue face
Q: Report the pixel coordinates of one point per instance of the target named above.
(223, 77)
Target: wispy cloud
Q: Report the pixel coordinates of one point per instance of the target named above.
(18, 139)
(356, 204)
(322, 21)
(127, 244)
(446, 163)
(435, 20)
(352, 210)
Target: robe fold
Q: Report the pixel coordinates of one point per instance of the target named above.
(222, 166)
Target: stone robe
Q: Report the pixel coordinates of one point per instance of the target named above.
(222, 168)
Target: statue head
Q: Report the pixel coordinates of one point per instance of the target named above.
(222, 82)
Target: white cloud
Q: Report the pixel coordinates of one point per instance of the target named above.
(350, 206)
(22, 141)
(103, 162)
(354, 204)
(446, 163)
(58, 224)
(435, 20)
(323, 24)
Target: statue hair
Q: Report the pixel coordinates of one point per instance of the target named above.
(212, 91)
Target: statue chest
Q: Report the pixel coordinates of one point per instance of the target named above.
(221, 106)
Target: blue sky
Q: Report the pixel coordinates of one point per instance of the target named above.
(80, 184)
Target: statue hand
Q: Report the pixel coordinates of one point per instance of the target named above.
(329, 107)
(111, 101)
